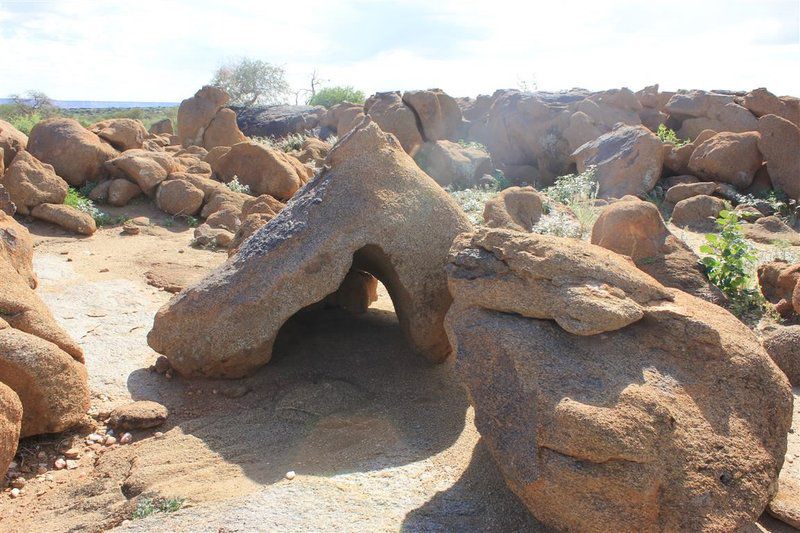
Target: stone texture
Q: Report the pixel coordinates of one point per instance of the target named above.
(143, 414)
(197, 112)
(672, 421)
(222, 130)
(628, 160)
(636, 229)
(393, 116)
(783, 346)
(121, 133)
(67, 217)
(438, 113)
(277, 121)
(340, 119)
(779, 141)
(778, 281)
(163, 126)
(373, 210)
(16, 248)
(10, 423)
(179, 197)
(449, 163)
(727, 157)
(12, 141)
(121, 191)
(517, 208)
(682, 191)
(698, 212)
(770, 230)
(30, 182)
(761, 102)
(77, 154)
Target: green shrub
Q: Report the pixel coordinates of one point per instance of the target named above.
(148, 506)
(578, 192)
(75, 198)
(668, 135)
(330, 96)
(730, 257)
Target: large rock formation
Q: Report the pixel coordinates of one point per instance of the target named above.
(727, 157)
(393, 116)
(30, 182)
(197, 112)
(702, 110)
(374, 210)
(636, 229)
(628, 160)
(450, 163)
(779, 141)
(12, 141)
(121, 133)
(609, 401)
(438, 113)
(278, 120)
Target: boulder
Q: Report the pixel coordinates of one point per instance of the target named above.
(636, 229)
(785, 506)
(222, 130)
(782, 344)
(313, 152)
(770, 230)
(449, 163)
(16, 248)
(77, 154)
(197, 112)
(12, 141)
(265, 170)
(205, 235)
(227, 219)
(671, 181)
(779, 281)
(121, 191)
(145, 169)
(278, 121)
(677, 158)
(727, 157)
(698, 212)
(357, 291)
(682, 191)
(393, 116)
(52, 386)
(627, 160)
(438, 113)
(30, 182)
(250, 224)
(581, 130)
(67, 217)
(761, 102)
(10, 424)
(608, 401)
(179, 197)
(517, 208)
(121, 133)
(779, 141)
(143, 414)
(6, 205)
(372, 210)
(340, 119)
(702, 110)
(161, 127)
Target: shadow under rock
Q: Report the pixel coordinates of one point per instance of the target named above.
(342, 393)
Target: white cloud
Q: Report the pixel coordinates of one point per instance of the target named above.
(163, 51)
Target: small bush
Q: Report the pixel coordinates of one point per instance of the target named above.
(75, 198)
(330, 96)
(472, 201)
(730, 257)
(668, 135)
(236, 186)
(559, 224)
(292, 142)
(149, 506)
(576, 191)
(192, 222)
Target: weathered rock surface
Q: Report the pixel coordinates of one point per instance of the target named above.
(779, 141)
(143, 414)
(703, 110)
(393, 116)
(698, 212)
(373, 210)
(264, 169)
(340, 119)
(313, 151)
(10, 423)
(636, 229)
(16, 248)
(450, 163)
(121, 133)
(67, 217)
(727, 157)
(162, 127)
(517, 208)
(778, 281)
(672, 419)
(277, 120)
(77, 154)
(197, 112)
(122, 191)
(785, 506)
(628, 160)
(770, 230)
(146, 169)
(682, 191)
(6, 205)
(783, 346)
(179, 197)
(761, 102)
(222, 130)
(438, 113)
(30, 182)
(12, 141)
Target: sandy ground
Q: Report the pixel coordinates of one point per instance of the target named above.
(379, 439)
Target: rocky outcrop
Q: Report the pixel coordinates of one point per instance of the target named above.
(761, 102)
(145, 169)
(727, 157)
(438, 113)
(373, 210)
(627, 160)
(265, 170)
(782, 344)
(340, 119)
(162, 127)
(76, 154)
(278, 121)
(635, 228)
(702, 110)
(608, 401)
(12, 141)
(450, 163)
(197, 112)
(393, 116)
(30, 182)
(10, 424)
(121, 133)
(779, 141)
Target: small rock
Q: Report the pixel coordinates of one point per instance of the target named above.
(72, 464)
(290, 475)
(94, 437)
(103, 270)
(138, 415)
(41, 469)
(162, 365)
(72, 453)
(15, 493)
(158, 435)
(19, 483)
(126, 438)
(109, 441)
(60, 463)
(235, 391)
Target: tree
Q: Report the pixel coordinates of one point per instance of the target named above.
(35, 102)
(330, 96)
(252, 81)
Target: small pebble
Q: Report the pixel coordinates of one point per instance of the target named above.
(126, 438)
(41, 470)
(19, 483)
(72, 453)
(290, 475)
(72, 464)
(60, 463)
(110, 440)
(15, 493)
(94, 437)
(158, 434)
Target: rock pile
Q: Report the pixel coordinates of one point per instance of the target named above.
(607, 398)
(372, 211)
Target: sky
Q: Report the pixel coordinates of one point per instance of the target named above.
(163, 51)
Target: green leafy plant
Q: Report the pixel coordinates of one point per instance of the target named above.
(668, 135)
(730, 257)
(236, 186)
(292, 142)
(149, 506)
(192, 222)
(330, 96)
(578, 192)
(76, 199)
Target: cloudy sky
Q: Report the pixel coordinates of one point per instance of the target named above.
(165, 50)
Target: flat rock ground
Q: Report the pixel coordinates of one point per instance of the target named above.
(379, 439)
